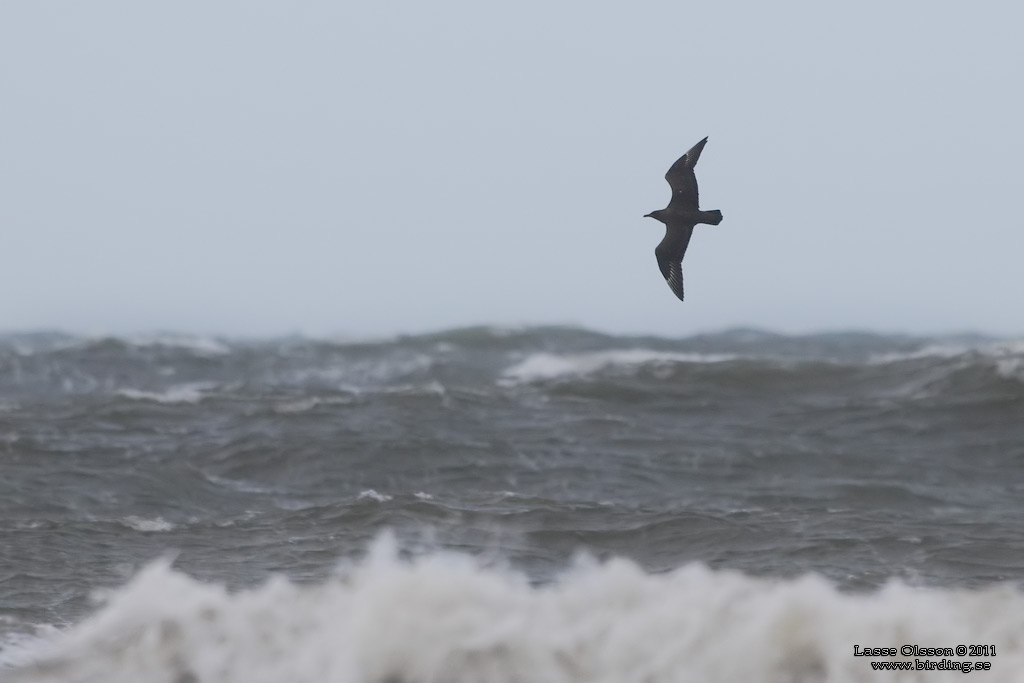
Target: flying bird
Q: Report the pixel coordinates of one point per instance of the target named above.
(679, 217)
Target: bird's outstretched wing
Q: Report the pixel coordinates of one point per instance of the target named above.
(670, 255)
(682, 180)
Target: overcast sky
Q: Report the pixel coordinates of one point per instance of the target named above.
(363, 168)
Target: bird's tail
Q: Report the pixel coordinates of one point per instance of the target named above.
(711, 217)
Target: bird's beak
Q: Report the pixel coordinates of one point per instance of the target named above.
(647, 215)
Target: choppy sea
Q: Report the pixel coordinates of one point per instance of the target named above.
(510, 505)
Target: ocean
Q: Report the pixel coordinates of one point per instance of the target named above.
(535, 505)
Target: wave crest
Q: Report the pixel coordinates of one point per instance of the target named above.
(546, 366)
(443, 617)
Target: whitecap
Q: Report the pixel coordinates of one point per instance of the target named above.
(302, 405)
(545, 366)
(202, 346)
(444, 617)
(373, 495)
(148, 525)
(1011, 368)
(940, 351)
(995, 350)
(192, 392)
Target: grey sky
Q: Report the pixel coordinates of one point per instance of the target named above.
(371, 167)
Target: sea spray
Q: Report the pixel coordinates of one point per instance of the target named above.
(441, 616)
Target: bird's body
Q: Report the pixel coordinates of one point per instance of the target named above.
(680, 217)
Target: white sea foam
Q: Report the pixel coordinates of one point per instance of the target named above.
(930, 351)
(370, 494)
(542, 366)
(1009, 359)
(996, 350)
(298, 406)
(303, 405)
(148, 525)
(203, 346)
(352, 375)
(441, 617)
(200, 346)
(1011, 368)
(1006, 357)
(192, 392)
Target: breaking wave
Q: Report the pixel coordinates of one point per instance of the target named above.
(542, 366)
(445, 617)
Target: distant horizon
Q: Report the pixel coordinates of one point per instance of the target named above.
(356, 336)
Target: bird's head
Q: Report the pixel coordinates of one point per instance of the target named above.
(656, 215)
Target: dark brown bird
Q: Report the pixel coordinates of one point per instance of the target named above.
(679, 217)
